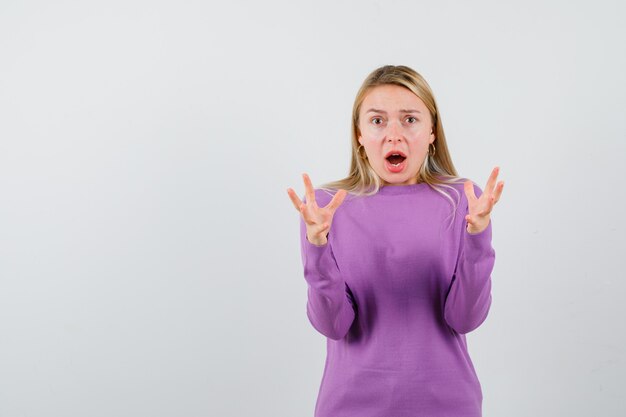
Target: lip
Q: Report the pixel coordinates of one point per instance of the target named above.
(395, 169)
(398, 152)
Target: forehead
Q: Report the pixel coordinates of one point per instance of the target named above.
(391, 98)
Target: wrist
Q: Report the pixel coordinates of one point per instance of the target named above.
(318, 240)
(475, 229)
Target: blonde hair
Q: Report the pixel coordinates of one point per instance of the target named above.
(437, 171)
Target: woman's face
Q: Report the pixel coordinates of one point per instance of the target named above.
(394, 120)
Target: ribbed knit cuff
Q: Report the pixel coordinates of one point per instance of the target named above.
(478, 244)
(320, 267)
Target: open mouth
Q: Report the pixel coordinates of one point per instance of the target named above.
(395, 159)
(395, 162)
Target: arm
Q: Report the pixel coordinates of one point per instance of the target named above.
(469, 298)
(330, 308)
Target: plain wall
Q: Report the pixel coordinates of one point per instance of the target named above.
(149, 253)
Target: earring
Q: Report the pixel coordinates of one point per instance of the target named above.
(434, 150)
(358, 150)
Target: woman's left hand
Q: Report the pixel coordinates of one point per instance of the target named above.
(479, 209)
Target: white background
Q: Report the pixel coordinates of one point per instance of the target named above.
(149, 253)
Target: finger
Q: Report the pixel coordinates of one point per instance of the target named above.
(491, 182)
(493, 199)
(490, 203)
(306, 215)
(499, 189)
(294, 199)
(468, 186)
(337, 200)
(310, 192)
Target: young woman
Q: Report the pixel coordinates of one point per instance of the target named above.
(405, 270)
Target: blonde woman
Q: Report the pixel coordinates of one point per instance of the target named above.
(398, 258)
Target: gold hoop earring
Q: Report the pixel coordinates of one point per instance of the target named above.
(434, 150)
(358, 150)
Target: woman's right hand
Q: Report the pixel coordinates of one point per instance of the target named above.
(317, 219)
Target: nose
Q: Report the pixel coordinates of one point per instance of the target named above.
(394, 133)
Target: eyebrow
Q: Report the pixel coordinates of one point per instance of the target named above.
(401, 111)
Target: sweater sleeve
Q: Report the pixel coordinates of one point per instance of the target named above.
(330, 307)
(469, 298)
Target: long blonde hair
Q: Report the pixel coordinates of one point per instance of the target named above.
(437, 171)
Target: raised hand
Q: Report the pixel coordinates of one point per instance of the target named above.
(317, 219)
(479, 209)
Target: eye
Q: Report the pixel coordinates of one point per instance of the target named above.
(376, 118)
(411, 117)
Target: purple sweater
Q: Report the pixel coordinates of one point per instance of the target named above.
(394, 290)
